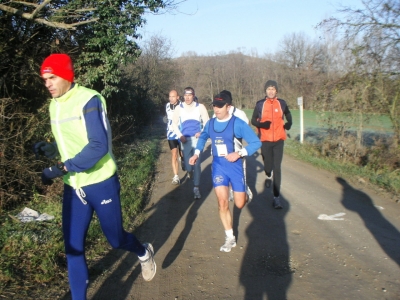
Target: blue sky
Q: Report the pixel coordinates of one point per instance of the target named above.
(214, 26)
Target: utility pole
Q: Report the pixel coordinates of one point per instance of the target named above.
(300, 104)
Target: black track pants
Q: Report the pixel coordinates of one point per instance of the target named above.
(272, 153)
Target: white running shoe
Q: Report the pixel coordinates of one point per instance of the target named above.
(230, 195)
(176, 180)
(229, 244)
(196, 192)
(249, 194)
(149, 267)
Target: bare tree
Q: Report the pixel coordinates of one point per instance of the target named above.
(301, 68)
(373, 36)
(155, 71)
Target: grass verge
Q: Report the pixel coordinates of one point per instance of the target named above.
(388, 181)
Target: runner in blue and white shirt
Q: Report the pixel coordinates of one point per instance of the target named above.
(172, 137)
(187, 121)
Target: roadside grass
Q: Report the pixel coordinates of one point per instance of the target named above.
(388, 181)
(376, 127)
(32, 254)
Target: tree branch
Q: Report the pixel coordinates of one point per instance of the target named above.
(25, 3)
(39, 8)
(63, 25)
(32, 16)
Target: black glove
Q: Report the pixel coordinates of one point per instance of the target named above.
(265, 124)
(53, 172)
(287, 126)
(44, 148)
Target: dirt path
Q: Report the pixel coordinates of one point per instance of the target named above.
(293, 253)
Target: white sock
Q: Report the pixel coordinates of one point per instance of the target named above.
(229, 233)
(145, 256)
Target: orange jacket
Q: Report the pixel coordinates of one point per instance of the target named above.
(271, 110)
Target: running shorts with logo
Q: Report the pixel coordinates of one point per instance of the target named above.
(225, 172)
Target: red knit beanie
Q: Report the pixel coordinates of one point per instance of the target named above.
(59, 65)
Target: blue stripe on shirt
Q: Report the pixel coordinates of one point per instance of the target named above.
(97, 137)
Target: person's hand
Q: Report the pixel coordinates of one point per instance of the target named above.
(53, 172)
(287, 126)
(193, 159)
(197, 135)
(183, 139)
(266, 124)
(232, 157)
(44, 148)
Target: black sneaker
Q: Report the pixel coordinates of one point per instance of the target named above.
(277, 203)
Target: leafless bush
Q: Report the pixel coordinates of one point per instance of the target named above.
(384, 155)
(19, 130)
(344, 148)
(381, 155)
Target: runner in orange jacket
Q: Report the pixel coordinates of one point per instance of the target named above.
(268, 117)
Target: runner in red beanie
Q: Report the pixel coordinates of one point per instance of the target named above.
(80, 126)
(60, 65)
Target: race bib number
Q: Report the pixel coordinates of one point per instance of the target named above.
(221, 150)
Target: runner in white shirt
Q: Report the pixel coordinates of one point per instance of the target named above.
(173, 140)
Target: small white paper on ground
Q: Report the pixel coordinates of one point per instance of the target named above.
(335, 217)
(44, 217)
(29, 215)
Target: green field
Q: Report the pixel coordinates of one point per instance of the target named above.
(315, 124)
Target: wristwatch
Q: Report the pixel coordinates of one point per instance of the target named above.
(240, 153)
(60, 166)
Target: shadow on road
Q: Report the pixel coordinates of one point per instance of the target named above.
(190, 218)
(265, 272)
(387, 236)
(253, 168)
